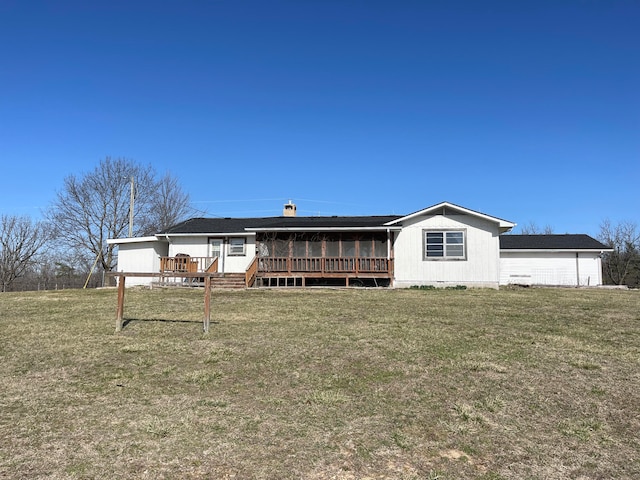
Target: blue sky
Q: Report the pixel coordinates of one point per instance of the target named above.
(527, 110)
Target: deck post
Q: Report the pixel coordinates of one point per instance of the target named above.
(120, 308)
(207, 303)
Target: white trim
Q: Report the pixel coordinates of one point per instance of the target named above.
(118, 241)
(230, 251)
(207, 234)
(433, 209)
(326, 229)
(556, 250)
(444, 257)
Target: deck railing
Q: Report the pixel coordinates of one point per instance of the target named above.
(188, 264)
(325, 265)
(251, 273)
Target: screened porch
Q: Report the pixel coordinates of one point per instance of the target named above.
(324, 255)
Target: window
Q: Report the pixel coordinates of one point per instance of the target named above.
(444, 245)
(236, 246)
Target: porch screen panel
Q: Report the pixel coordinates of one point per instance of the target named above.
(280, 247)
(333, 247)
(380, 247)
(299, 248)
(365, 247)
(264, 248)
(315, 248)
(348, 247)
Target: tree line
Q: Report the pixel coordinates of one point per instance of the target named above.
(68, 247)
(622, 265)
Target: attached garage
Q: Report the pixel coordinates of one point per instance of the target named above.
(554, 260)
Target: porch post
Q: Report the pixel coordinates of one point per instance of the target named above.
(390, 255)
(290, 259)
(357, 256)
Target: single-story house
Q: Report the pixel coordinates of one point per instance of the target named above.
(441, 245)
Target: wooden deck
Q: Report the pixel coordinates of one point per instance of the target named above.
(304, 271)
(188, 264)
(326, 266)
(267, 271)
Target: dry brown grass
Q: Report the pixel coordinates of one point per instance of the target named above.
(321, 384)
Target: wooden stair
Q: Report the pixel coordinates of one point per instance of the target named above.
(228, 280)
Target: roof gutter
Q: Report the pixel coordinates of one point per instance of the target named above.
(121, 241)
(556, 250)
(202, 234)
(325, 229)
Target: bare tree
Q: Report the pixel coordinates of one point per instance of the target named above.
(170, 205)
(532, 228)
(92, 208)
(21, 240)
(624, 239)
(95, 207)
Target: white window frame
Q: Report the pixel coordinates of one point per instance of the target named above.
(237, 250)
(446, 255)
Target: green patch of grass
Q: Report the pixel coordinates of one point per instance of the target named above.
(327, 398)
(422, 287)
(343, 384)
(202, 377)
(491, 476)
(583, 430)
(585, 365)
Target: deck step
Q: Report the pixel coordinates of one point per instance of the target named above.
(228, 280)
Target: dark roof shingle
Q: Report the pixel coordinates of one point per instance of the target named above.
(550, 242)
(237, 225)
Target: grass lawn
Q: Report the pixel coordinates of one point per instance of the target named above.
(321, 384)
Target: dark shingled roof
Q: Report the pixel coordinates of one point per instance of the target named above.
(550, 242)
(236, 225)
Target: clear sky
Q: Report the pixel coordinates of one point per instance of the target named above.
(525, 110)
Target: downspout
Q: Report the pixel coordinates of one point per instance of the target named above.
(577, 269)
(391, 262)
(223, 253)
(388, 244)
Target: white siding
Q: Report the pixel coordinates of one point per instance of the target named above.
(480, 268)
(145, 256)
(240, 263)
(550, 268)
(199, 247)
(193, 246)
(140, 257)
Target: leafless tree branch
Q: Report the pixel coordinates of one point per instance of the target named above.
(21, 240)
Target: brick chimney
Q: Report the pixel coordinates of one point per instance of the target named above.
(289, 210)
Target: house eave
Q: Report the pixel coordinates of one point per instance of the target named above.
(120, 241)
(205, 234)
(504, 225)
(326, 229)
(555, 250)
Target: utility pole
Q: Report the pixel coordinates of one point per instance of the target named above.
(131, 200)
